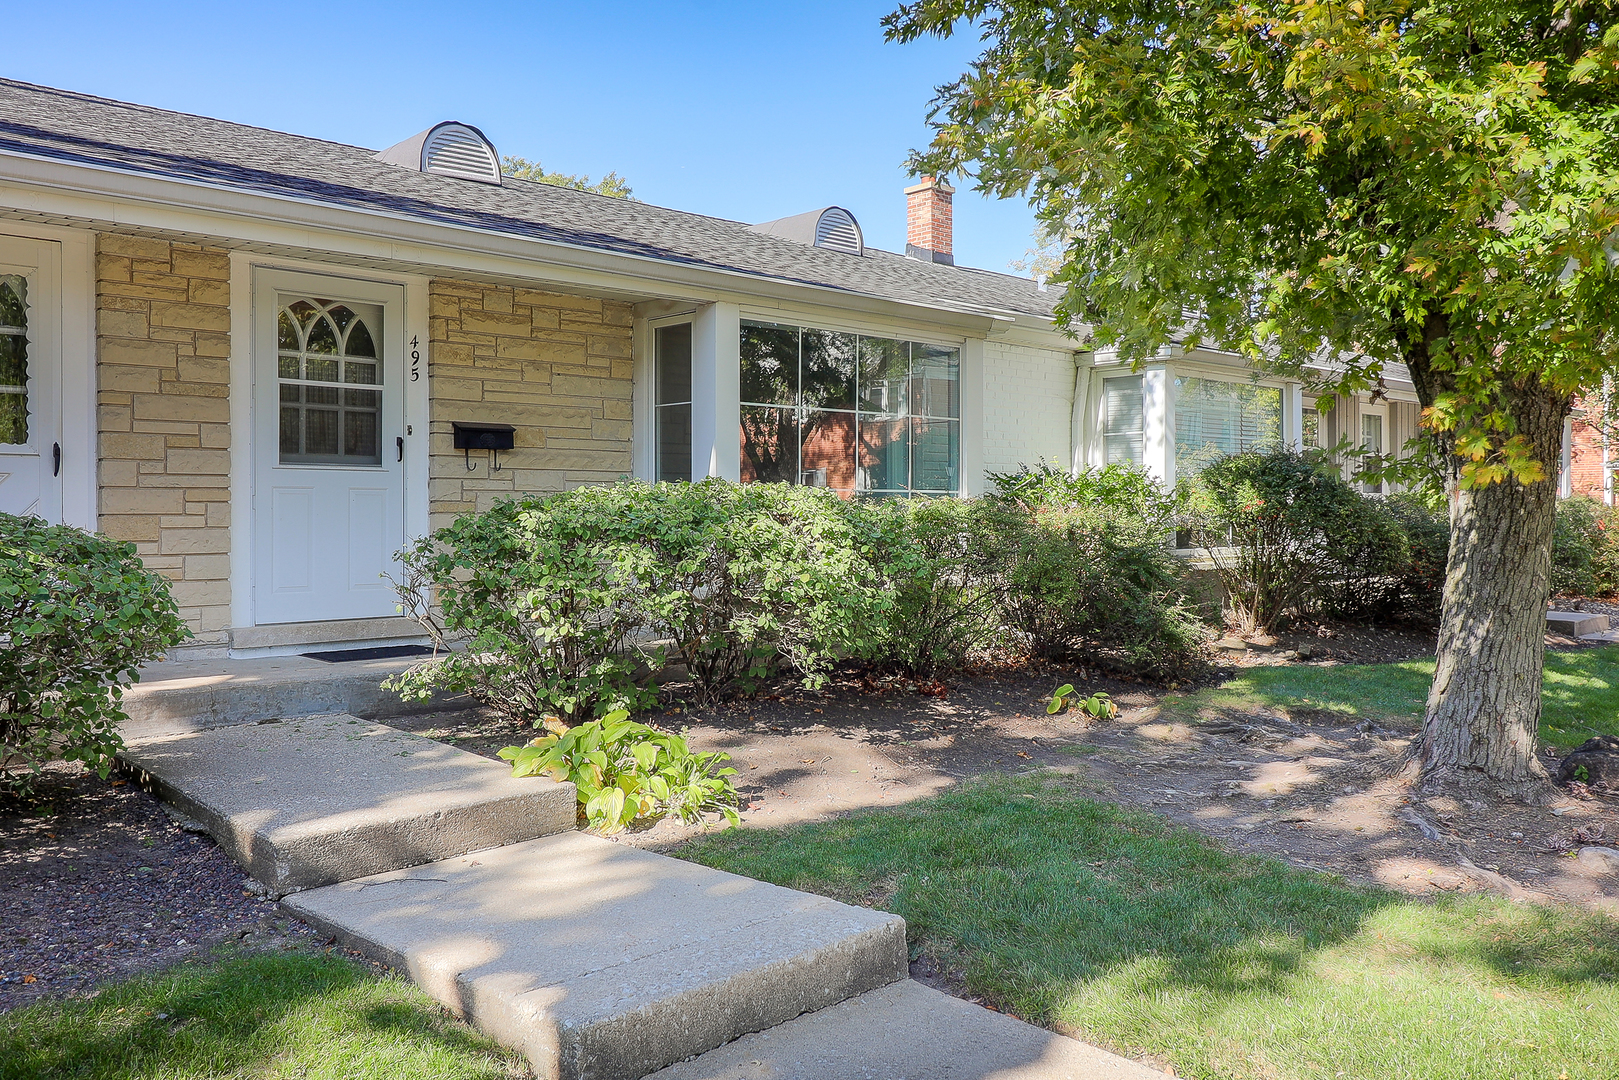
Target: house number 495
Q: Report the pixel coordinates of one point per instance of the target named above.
(415, 359)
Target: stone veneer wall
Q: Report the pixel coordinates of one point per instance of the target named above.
(556, 367)
(163, 409)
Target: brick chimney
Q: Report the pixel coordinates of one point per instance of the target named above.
(928, 222)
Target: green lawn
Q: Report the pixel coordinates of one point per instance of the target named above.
(250, 1015)
(1120, 928)
(1580, 692)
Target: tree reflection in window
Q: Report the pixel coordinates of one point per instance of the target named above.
(856, 414)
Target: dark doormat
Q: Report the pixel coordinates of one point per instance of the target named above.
(386, 652)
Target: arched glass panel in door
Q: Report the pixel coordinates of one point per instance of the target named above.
(13, 359)
(327, 359)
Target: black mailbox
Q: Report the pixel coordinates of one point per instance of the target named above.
(483, 436)
(491, 437)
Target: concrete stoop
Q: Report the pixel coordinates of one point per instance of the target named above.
(308, 802)
(194, 695)
(606, 962)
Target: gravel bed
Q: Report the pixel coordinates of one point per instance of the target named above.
(100, 883)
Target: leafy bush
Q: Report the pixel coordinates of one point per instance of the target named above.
(79, 614)
(624, 771)
(1422, 578)
(1275, 524)
(1084, 568)
(1368, 558)
(1585, 548)
(943, 592)
(542, 597)
(562, 599)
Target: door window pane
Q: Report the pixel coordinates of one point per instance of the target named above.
(1123, 421)
(13, 359)
(672, 349)
(323, 345)
(1216, 417)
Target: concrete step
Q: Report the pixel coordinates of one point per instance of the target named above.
(308, 802)
(1575, 624)
(907, 1031)
(602, 961)
(192, 695)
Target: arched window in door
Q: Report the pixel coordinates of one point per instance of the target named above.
(327, 355)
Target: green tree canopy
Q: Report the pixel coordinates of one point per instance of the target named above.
(1433, 183)
(612, 185)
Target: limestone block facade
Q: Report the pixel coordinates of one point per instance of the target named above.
(163, 415)
(556, 367)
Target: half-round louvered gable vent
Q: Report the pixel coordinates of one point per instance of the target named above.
(837, 229)
(448, 149)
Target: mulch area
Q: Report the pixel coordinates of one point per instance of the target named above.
(100, 883)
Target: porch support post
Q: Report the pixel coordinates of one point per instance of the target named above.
(1158, 436)
(971, 399)
(1293, 410)
(716, 392)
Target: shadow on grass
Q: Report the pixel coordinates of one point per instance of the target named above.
(248, 1014)
(1126, 929)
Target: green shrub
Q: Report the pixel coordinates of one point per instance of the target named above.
(1275, 523)
(943, 592)
(1422, 578)
(79, 614)
(1083, 568)
(1368, 559)
(542, 597)
(624, 771)
(1585, 548)
(561, 599)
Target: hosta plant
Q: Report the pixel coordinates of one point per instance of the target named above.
(624, 771)
(1098, 706)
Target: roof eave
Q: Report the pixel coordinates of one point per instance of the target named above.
(154, 197)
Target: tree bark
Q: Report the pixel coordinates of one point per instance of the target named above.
(1483, 710)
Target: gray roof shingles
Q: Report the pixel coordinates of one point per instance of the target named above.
(83, 129)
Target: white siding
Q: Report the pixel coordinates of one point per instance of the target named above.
(1028, 405)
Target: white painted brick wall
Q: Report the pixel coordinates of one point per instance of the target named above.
(1028, 402)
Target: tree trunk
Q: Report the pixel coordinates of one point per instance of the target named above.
(1484, 706)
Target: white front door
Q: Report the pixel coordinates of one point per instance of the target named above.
(30, 378)
(328, 493)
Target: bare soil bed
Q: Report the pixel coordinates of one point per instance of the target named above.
(1315, 789)
(99, 883)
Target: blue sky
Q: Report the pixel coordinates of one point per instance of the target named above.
(749, 111)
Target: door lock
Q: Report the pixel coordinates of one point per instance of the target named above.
(56, 459)
(399, 440)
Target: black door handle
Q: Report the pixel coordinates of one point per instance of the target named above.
(399, 440)
(56, 459)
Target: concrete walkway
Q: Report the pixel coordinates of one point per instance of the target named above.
(598, 961)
